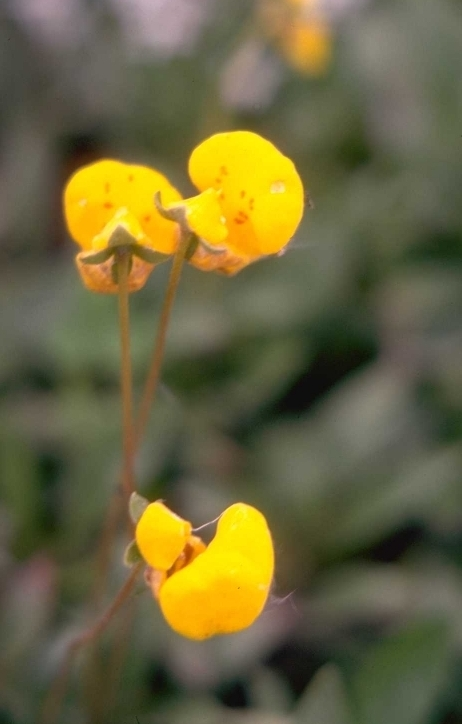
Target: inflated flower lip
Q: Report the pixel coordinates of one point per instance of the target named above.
(258, 191)
(107, 197)
(161, 536)
(218, 589)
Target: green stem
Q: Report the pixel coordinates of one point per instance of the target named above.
(123, 262)
(152, 380)
(56, 694)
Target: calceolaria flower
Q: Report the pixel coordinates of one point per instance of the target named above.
(207, 590)
(250, 205)
(300, 30)
(109, 205)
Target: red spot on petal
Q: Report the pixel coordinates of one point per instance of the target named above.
(223, 171)
(147, 218)
(242, 194)
(108, 205)
(241, 218)
(130, 177)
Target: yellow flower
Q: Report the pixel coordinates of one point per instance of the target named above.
(109, 203)
(301, 32)
(210, 590)
(251, 201)
(307, 45)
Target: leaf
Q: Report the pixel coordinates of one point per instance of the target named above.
(99, 257)
(324, 700)
(136, 506)
(402, 677)
(149, 255)
(132, 555)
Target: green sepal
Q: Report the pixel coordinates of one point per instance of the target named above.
(212, 249)
(136, 506)
(192, 246)
(132, 555)
(99, 257)
(177, 213)
(121, 237)
(148, 255)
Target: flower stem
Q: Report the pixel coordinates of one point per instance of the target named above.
(123, 262)
(132, 436)
(54, 699)
(153, 377)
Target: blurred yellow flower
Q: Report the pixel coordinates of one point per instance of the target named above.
(251, 201)
(301, 32)
(110, 203)
(218, 589)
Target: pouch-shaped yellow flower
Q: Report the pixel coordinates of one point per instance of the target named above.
(107, 196)
(224, 589)
(258, 190)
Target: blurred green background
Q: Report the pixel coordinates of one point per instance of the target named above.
(325, 386)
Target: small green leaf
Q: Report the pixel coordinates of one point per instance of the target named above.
(99, 257)
(149, 255)
(121, 237)
(324, 701)
(132, 555)
(136, 506)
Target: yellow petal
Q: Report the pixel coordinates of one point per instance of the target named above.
(161, 536)
(94, 194)
(244, 529)
(260, 192)
(204, 216)
(225, 588)
(122, 218)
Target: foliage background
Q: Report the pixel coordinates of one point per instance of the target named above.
(324, 386)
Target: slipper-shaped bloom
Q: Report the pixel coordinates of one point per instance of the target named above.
(250, 205)
(301, 32)
(109, 204)
(218, 589)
